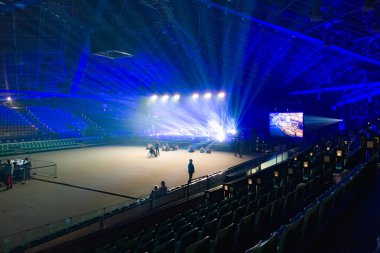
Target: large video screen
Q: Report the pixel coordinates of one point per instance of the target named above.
(286, 124)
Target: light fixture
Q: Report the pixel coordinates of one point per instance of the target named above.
(195, 96)
(221, 94)
(154, 97)
(165, 98)
(208, 95)
(176, 96)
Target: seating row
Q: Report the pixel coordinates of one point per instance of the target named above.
(297, 235)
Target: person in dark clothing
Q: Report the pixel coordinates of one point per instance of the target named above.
(154, 193)
(8, 172)
(157, 148)
(27, 166)
(191, 169)
(163, 188)
(152, 152)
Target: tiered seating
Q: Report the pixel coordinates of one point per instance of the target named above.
(46, 145)
(58, 121)
(14, 125)
(233, 223)
(300, 231)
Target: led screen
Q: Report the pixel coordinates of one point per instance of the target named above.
(286, 124)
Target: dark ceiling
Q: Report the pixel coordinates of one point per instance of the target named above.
(277, 48)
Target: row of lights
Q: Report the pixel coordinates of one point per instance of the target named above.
(195, 96)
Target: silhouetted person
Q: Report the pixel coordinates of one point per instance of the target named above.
(191, 169)
(157, 148)
(8, 172)
(154, 193)
(163, 189)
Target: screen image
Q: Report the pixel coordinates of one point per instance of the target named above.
(286, 124)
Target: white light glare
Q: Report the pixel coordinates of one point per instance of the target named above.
(195, 96)
(9, 99)
(165, 98)
(154, 97)
(221, 136)
(221, 95)
(176, 96)
(232, 131)
(208, 95)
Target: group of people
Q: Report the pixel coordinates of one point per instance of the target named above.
(12, 168)
(159, 191)
(202, 150)
(166, 147)
(154, 149)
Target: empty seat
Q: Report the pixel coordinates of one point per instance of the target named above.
(225, 220)
(167, 247)
(291, 236)
(187, 238)
(266, 246)
(209, 229)
(224, 240)
(201, 246)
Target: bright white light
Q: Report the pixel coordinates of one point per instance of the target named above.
(165, 98)
(154, 97)
(176, 96)
(9, 99)
(221, 136)
(232, 131)
(208, 95)
(195, 96)
(221, 95)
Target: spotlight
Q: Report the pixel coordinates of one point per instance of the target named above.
(220, 136)
(221, 95)
(165, 98)
(176, 96)
(195, 96)
(208, 95)
(154, 97)
(9, 99)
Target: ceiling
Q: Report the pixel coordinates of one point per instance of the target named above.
(255, 49)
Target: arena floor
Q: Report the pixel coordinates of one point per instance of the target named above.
(116, 170)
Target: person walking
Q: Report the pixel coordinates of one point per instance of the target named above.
(191, 170)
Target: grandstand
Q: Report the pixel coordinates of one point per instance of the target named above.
(276, 104)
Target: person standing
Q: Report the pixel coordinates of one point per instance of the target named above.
(157, 148)
(163, 189)
(191, 169)
(8, 171)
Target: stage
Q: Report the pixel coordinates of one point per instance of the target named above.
(93, 178)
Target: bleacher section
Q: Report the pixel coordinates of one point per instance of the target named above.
(46, 145)
(14, 125)
(60, 122)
